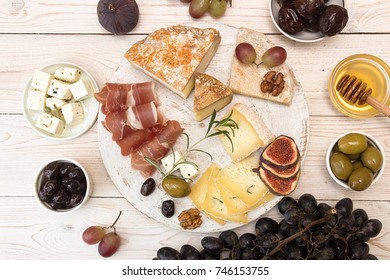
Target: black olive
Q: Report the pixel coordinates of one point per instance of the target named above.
(51, 171)
(332, 20)
(308, 8)
(168, 253)
(188, 252)
(74, 200)
(168, 208)
(77, 174)
(65, 167)
(212, 245)
(229, 239)
(118, 16)
(289, 21)
(148, 187)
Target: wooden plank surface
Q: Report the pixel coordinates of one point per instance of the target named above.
(43, 32)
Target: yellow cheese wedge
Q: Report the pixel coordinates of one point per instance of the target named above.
(240, 180)
(199, 189)
(210, 94)
(252, 133)
(216, 207)
(233, 203)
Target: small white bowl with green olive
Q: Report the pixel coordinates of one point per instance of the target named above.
(355, 160)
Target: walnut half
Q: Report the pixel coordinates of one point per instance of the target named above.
(272, 83)
(190, 219)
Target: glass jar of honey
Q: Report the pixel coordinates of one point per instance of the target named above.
(371, 70)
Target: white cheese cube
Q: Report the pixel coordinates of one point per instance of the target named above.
(81, 89)
(51, 124)
(59, 89)
(54, 103)
(36, 100)
(188, 171)
(41, 80)
(67, 74)
(73, 112)
(170, 160)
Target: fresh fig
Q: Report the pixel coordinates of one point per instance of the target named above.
(118, 16)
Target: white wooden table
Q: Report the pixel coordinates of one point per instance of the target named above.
(37, 33)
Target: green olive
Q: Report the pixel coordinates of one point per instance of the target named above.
(176, 187)
(341, 166)
(357, 164)
(372, 158)
(360, 179)
(354, 156)
(352, 143)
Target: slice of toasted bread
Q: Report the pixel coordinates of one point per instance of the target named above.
(246, 79)
(210, 94)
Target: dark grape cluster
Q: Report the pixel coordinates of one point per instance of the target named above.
(108, 242)
(309, 230)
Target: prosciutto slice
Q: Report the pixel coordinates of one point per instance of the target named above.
(133, 139)
(156, 149)
(143, 116)
(116, 122)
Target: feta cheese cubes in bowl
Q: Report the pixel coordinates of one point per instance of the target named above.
(58, 101)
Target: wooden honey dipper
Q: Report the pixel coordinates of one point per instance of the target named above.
(355, 90)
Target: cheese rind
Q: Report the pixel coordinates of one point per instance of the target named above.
(73, 112)
(252, 133)
(59, 89)
(173, 55)
(210, 94)
(51, 124)
(41, 80)
(36, 100)
(67, 74)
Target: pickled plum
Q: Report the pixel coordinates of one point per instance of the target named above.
(332, 20)
(289, 20)
(308, 8)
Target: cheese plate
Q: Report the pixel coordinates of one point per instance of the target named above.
(88, 105)
(291, 120)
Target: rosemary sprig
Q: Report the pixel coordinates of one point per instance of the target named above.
(224, 127)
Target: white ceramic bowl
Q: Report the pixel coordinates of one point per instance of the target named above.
(90, 106)
(303, 36)
(45, 205)
(371, 141)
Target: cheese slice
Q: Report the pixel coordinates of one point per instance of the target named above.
(199, 189)
(241, 181)
(252, 133)
(215, 205)
(173, 55)
(233, 204)
(246, 79)
(210, 94)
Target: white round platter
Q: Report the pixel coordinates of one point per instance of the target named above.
(90, 106)
(292, 120)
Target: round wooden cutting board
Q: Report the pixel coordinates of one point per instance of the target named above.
(292, 120)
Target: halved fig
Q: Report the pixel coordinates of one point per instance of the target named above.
(278, 185)
(282, 153)
(283, 173)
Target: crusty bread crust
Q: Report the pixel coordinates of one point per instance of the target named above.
(246, 79)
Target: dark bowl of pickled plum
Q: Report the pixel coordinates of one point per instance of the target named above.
(308, 21)
(62, 186)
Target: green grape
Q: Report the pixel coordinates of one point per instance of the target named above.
(245, 53)
(93, 235)
(109, 244)
(274, 56)
(198, 8)
(217, 8)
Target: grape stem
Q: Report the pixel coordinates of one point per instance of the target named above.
(113, 224)
(292, 237)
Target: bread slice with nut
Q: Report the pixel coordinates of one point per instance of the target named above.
(210, 94)
(246, 79)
